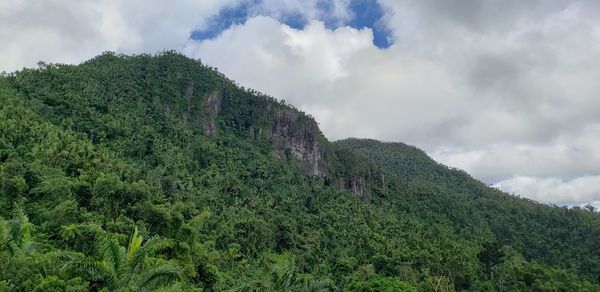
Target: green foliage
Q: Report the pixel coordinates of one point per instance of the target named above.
(555, 236)
(95, 158)
(366, 279)
(379, 283)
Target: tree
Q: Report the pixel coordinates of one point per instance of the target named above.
(128, 268)
(490, 255)
(380, 283)
(15, 234)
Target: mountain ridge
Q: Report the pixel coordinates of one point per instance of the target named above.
(247, 192)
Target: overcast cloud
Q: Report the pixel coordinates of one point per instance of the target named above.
(506, 91)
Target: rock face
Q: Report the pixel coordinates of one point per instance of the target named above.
(357, 186)
(355, 183)
(211, 106)
(296, 136)
(298, 139)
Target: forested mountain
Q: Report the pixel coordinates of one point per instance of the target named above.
(130, 173)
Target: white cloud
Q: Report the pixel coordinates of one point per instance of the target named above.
(338, 75)
(493, 98)
(313, 56)
(579, 189)
(338, 11)
(595, 204)
(55, 31)
(570, 154)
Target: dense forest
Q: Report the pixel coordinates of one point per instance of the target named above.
(136, 173)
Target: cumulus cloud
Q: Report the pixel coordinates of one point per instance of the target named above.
(336, 11)
(570, 154)
(594, 204)
(579, 189)
(525, 84)
(497, 92)
(337, 75)
(55, 31)
(267, 47)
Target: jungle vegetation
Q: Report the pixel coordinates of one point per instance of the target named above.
(121, 174)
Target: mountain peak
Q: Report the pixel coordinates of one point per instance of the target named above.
(212, 186)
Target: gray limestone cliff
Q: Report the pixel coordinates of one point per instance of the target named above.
(300, 139)
(211, 106)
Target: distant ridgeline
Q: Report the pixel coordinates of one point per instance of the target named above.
(130, 173)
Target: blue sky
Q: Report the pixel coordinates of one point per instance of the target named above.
(363, 14)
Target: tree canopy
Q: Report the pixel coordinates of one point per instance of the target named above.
(129, 173)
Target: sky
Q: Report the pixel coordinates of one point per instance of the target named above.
(508, 92)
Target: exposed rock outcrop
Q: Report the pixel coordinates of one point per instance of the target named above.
(300, 139)
(356, 184)
(211, 106)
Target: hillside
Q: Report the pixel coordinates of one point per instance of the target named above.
(146, 172)
(557, 236)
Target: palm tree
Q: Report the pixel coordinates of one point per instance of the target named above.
(278, 273)
(15, 234)
(17, 250)
(128, 268)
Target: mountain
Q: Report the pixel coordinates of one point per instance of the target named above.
(145, 172)
(538, 231)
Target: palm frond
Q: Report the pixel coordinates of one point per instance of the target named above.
(111, 252)
(159, 276)
(3, 234)
(150, 247)
(78, 264)
(134, 244)
(19, 228)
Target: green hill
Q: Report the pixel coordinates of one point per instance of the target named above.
(130, 173)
